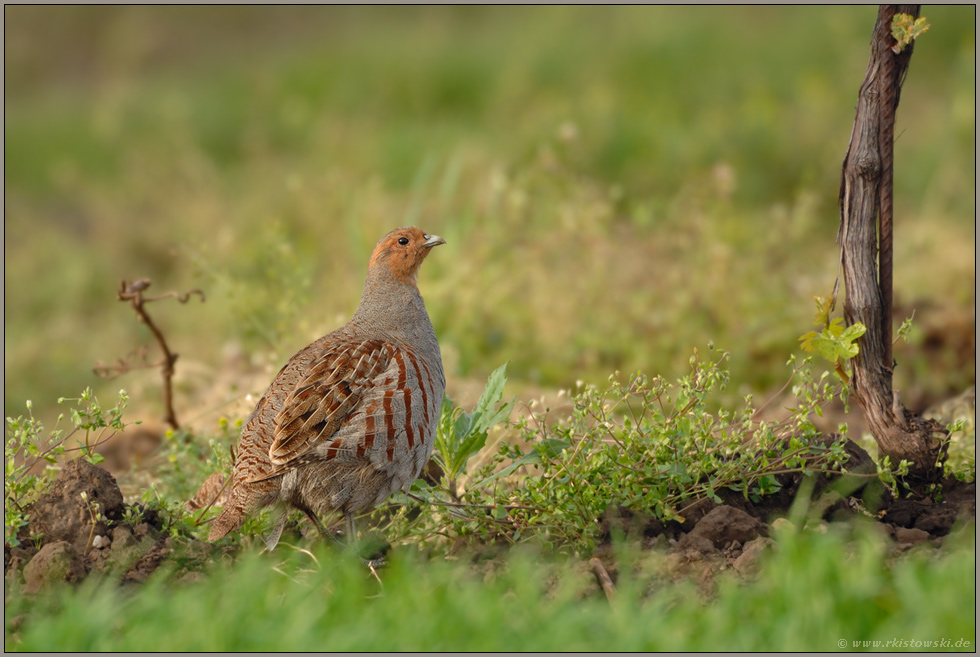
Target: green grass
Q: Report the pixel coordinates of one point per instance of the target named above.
(813, 591)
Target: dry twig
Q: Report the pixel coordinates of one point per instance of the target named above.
(133, 293)
(602, 575)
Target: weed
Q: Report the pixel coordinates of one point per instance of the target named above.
(133, 514)
(95, 517)
(28, 449)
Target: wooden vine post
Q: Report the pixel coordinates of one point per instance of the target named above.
(866, 255)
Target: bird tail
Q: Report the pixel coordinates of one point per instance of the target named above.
(217, 491)
(230, 519)
(213, 492)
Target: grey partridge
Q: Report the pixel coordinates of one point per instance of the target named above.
(352, 417)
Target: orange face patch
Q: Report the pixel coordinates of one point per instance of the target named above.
(403, 251)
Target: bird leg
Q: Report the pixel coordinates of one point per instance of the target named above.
(354, 544)
(319, 526)
(351, 529)
(351, 536)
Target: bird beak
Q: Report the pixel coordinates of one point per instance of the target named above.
(433, 240)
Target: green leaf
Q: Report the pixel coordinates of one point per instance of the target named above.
(905, 30)
(853, 332)
(824, 306)
(469, 444)
(836, 342)
(527, 459)
(462, 428)
(461, 435)
(552, 447)
(494, 390)
(806, 341)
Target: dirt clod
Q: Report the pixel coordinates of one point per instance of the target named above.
(725, 524)
(55, 562)
(912, 536)
(936, 519)
(149, 562)
(695, 544)
(747, 563)
(122, 539)
(82, 502)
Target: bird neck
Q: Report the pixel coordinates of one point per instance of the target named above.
(392, 306)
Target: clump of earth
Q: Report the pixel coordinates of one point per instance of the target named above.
(86, 528)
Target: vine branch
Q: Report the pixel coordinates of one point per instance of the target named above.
(133, 294)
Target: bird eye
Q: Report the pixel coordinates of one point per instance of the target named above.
(403, 241)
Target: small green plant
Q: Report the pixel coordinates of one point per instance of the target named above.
(95, 516)
(836, 343)
(905, 330)
(133, 514)
(893, 477)
(222, 459)
(177, 520)
(187, 461)
(906, 29)
(962, 460)
(30, 454)
(461, 435)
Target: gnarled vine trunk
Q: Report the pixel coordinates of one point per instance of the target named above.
(866, 257)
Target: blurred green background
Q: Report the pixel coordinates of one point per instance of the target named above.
(617, 186)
